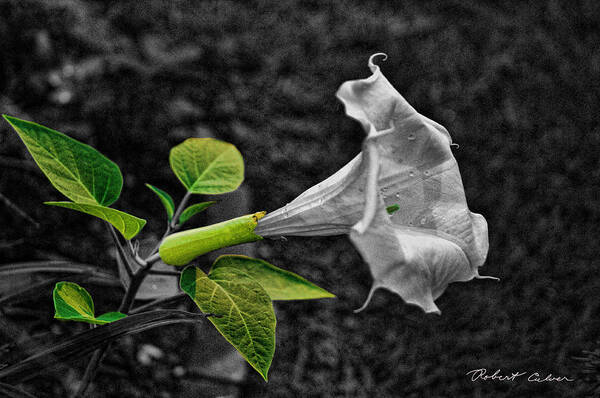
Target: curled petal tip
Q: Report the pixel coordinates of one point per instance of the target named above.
(368, 300)
(372, 64)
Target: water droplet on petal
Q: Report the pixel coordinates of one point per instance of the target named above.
(427, 172)
(397, 195)
(412, 174)
(411, 137)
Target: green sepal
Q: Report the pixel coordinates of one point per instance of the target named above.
(182, 247)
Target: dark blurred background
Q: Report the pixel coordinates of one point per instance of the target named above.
(517, 85)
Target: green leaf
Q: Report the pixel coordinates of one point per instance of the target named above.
(247, 318)
(128, 225)
(77, 170)
(110, 317)
(194, 209)
(278, 283)
(392, 209)
(74, 303)
(207, 166)
(166, 200)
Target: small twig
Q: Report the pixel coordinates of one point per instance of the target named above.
(18, 210)
(135, 255)
(180, 208)
(90, 371)
(158, 302)
(153, 258)
(164, 272)
(120, 250)
(155, 248)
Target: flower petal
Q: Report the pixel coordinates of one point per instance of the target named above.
(432, 239)
(415, 265)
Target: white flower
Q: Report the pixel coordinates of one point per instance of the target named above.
(432, 239)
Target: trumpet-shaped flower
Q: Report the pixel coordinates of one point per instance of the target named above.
(432, 239)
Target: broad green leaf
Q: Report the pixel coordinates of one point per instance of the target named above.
(194, 209)
(74, 303)
(166, 200)
(77, 170)
(207, 166)
(278, 283)
(182, 247)
(128, 225)
(247, 319)
(392, 209)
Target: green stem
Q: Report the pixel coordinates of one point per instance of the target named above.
(180, 208)
(126, 303)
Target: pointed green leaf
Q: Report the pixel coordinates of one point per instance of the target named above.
(128, 225)
(166, 200)
(207, 166)
(247, 318)
(194, 209)
(392, 209)
(74, 303)
(110, 317)
(77, 170)
(278, 283)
